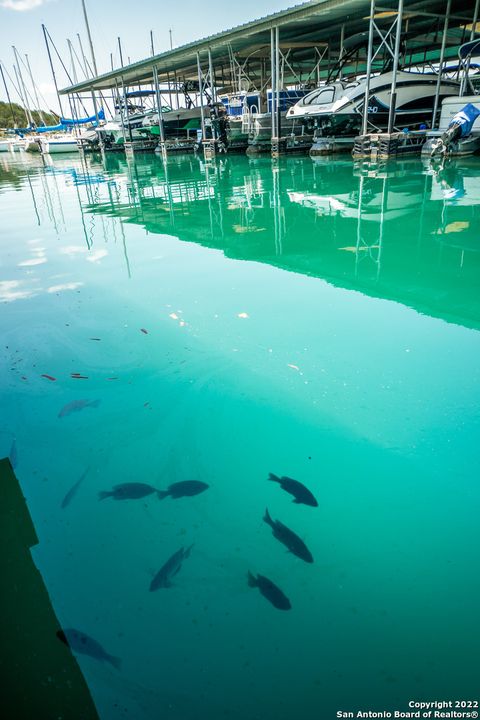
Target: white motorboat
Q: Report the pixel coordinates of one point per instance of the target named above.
(336, 110)
(59, 144)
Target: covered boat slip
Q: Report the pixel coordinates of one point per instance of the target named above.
(303, 46)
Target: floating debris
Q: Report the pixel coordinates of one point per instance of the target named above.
(81, 643)
(163, 579)
(127, 491)
(77, 376)
(270, 591)
(76, 406)
(453, 227)
(49, 377)
(301, 494)
(361, 248)
(185, 488)
(243, 315)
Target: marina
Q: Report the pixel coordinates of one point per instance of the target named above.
(316, 76)
(240, 314)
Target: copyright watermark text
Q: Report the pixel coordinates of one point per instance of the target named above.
(458, 709)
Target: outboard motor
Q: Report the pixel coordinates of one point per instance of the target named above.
(460, 126)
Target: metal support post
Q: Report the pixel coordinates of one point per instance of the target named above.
(369, 69)
(278, 129)
(463, 85)
(200, 89)
(159, 110)
(212, 79)
(100, 138)
(393, 92)
(273, 76)
(440, 67)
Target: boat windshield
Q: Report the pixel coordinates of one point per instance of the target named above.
(321, 96)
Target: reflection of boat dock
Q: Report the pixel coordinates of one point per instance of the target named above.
(298, 216)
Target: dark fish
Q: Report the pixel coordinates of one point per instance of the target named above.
(128, 491)
(290, 539)
(81, 643)
(13, 455)
(270, 591)
(76, 406)
(145, 332)
(70, 494)
(295, 488)
(173, 565)
(185, 488)
(49, 377)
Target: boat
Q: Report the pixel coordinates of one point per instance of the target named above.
(334, 112)
(178, 123)
(259, 124)
(59, 144)
(459, 144)
(5, 145)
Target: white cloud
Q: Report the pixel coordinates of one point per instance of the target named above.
(21, 5)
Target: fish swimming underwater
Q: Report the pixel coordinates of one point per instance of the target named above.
(185, 488)
(163, 578)
(290, 539)
(79, 642)
(127, 491)
(301, 494)
(76, 406)
(73, 490)
(270, 591)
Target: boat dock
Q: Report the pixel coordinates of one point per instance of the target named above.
(256, 68)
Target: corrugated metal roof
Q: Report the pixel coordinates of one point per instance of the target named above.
(313, 23)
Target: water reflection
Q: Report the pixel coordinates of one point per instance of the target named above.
(405, 232)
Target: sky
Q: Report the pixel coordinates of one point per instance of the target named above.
(21, 26)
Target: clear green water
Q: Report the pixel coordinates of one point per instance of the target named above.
(302, 320)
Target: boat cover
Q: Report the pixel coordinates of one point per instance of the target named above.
(465, 119)
(468, 49)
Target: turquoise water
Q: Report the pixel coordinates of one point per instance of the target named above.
(301, 318)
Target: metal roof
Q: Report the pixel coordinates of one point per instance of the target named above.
(304, 29)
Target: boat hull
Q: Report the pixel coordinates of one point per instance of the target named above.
(54, 147)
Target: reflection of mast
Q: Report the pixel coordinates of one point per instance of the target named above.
(362, 244)
(48, 201)
(169, 195)
(277, 211)
(125, 250)
(82, 216)
(33, 197)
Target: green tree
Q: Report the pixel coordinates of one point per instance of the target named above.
(15, 116)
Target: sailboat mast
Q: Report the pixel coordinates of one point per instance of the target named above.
(52, 69)
(34, 90)
(22, 85)
(83, 55)
(74, 69)
(89, 37)
(8, 96)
